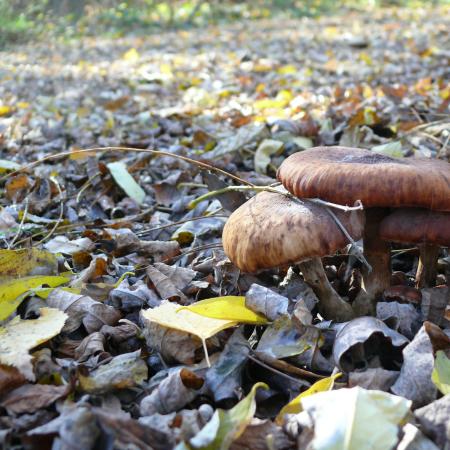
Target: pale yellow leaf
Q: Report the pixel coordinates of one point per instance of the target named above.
(19, 336)
(171, 316)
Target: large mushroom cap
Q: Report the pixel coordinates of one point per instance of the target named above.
(272, 230)
(344, 175)
(416, 226)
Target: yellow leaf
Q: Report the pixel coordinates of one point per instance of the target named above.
(295, 405)
(12, 291)
(20, 263)
(288, 69)
(227, 308)
(5, 110)
(19, 336)
(131, 55)
(171, 316)
(23, 105)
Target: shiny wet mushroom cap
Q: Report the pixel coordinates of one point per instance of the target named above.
(272, 230)
(343, 175)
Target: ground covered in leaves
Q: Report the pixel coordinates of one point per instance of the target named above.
(95, 351)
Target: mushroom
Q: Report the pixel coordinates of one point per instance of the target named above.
(343, 175)
(272, 230)
(428, 229)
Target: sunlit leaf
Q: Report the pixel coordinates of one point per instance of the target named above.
(441, 372)
(295, 405)
(225, 426)
(355, 419)
(227, 308)
(19, 336)
(171, 316)
(12, 291)
(122, 177)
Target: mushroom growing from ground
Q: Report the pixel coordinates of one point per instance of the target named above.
(428, 229)
(344, 175)
(272, 230)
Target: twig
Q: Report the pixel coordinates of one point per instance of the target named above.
(180, 222)
(22, 222)
(61, 212)
(85, 186)
(201, 164)
(318, 201)
(356, 250)
(272, 369)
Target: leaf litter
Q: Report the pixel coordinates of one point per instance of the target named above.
(122, 318)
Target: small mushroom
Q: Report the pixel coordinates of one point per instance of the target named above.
(271, 230)
(428, 229)
(344, 175)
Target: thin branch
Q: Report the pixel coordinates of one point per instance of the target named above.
(22, 222)
(356, 250)
(201, 164)
(61, 212)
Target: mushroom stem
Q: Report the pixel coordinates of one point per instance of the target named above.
(331, 305)
(378, 254)
(427, 269)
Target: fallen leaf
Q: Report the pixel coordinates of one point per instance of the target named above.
(295, 405)
(266, 149)
(171, 316)
(123, 178)
(31, 397)
(122, 372)
(12, 291)
(227, 308)
(441, 372)
(414, 382)
(225, 426)
(19, 336)
(345, 418)
(25, 262)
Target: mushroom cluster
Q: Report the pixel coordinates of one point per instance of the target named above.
(345, 175)
(273, 230)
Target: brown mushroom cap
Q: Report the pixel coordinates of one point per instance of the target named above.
(343, 175)
(416, 226)
(272, 230)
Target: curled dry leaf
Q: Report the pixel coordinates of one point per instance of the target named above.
(414, 382)
(375, 379)
(10, 378)
(31, 397)
(18, 336)
(266, 302)
(403, 318)
(224, 378)
(62, 244)
(123, 371)
(82, 309)
(171, 395)
(366, 342)
(434, 422)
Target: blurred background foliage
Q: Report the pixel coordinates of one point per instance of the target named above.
(22, 20)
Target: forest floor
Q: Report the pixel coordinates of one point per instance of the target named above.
(113, 364)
